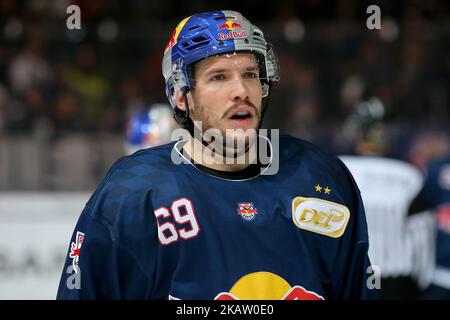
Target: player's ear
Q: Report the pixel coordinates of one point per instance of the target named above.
(180, 100)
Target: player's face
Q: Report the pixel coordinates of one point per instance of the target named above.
(227, 93)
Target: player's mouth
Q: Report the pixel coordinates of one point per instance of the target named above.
(242, 115)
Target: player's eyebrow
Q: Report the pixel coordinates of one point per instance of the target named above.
(224, 70)
(215, 70)
(252, 68)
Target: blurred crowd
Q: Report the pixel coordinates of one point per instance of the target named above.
(59, 81)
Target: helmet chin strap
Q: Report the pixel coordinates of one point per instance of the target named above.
(184, 120)
(265, 105)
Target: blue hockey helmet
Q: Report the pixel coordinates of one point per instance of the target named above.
(212, 33)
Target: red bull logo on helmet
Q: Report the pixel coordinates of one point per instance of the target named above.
(230, 25)
(266, 286)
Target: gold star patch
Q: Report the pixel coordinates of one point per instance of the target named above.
(327, 190)
(318, 188)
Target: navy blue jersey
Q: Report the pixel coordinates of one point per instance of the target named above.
(157, 230)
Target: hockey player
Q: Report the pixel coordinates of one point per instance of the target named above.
(197, 229)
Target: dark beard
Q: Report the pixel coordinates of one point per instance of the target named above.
(238, 150)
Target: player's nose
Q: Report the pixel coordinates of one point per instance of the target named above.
(239, 89)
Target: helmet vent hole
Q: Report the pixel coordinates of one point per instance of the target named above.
(225, 18)
(195, 43)
(193, 27)
(198, 39)
(258, 36)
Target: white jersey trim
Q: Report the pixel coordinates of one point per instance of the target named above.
(237, 180)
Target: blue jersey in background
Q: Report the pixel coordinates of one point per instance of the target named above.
(435, 196)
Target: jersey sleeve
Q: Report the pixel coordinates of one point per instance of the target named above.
(113, 250)
(99, 267)
(350, 273)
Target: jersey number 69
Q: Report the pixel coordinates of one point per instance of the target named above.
(185, 221)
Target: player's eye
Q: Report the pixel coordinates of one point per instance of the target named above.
(250, 75)
(218, 77)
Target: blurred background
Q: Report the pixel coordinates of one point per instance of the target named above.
(67, 97)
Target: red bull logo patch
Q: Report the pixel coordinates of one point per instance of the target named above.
(230, 25)
(247, 211)
(266, 286)
(75, 248)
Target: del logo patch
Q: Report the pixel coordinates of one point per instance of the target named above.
(320, 216)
